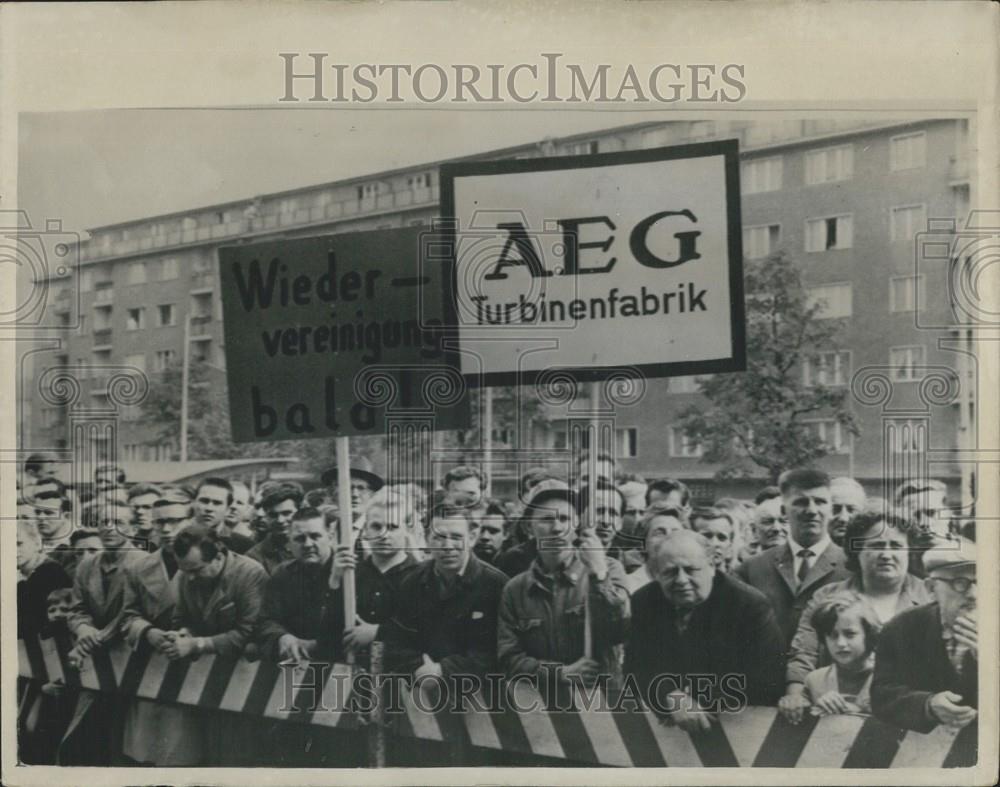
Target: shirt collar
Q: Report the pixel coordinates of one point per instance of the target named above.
(570, 572)
(400, 558)
(817, 549)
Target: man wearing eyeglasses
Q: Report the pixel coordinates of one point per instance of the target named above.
(927, 661)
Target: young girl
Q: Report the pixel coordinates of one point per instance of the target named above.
(848, 630)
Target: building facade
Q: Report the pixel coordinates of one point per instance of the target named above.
(845, 199)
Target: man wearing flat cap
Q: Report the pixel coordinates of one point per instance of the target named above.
(927, 659)
(543, 610)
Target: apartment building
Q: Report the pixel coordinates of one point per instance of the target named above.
(844, 198)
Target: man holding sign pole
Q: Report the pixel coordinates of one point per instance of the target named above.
(542, 611)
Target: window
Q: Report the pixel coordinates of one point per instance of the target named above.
(829, 165)
(908, 151)
(582, 148)
(137, 273)
(135, 319)
(505, 436)
(138, 361)
(418, 182)
(160, 452)
(168, 268)
(368, 191)
(906, 221)
(681, 445)
(132, 452)
(288, 205)
(102, 319)
(906, 362)
(761, 240)
(627, 442)
(828, 368)
(908, 436)
(762, 175)
(201, 351)
(833, 232)
(830, 434)
(906, 293)
(189, 223)
(835, 300)
(163, 359)
(165, 315)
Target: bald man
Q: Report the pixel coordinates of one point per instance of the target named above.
(701, 641)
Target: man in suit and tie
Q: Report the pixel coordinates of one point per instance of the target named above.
(927, 659)
(789, 574)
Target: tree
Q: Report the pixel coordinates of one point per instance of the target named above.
(209, 434)
(755, 419)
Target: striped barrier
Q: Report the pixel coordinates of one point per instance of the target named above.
(754, 737)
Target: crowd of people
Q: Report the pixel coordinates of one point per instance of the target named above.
(811, 597)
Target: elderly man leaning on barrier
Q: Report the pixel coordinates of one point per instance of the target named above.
(701, 641)
(155, 732)
(927, 661)
(543, 609)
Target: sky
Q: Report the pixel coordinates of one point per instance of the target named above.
(95, 168)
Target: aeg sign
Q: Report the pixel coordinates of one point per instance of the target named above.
(597, 262)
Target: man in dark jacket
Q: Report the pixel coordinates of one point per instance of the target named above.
(927, 660)
(701, 641)
(298, 602)
(543, 611)
(446, 621)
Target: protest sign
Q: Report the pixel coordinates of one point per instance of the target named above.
(598, 261)
(327, 335)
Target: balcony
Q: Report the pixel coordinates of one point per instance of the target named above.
(102, 336)
(202, 283)
(198, 320)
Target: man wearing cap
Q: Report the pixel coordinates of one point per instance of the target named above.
(280, 505)
(543, 610)
(927, 660)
